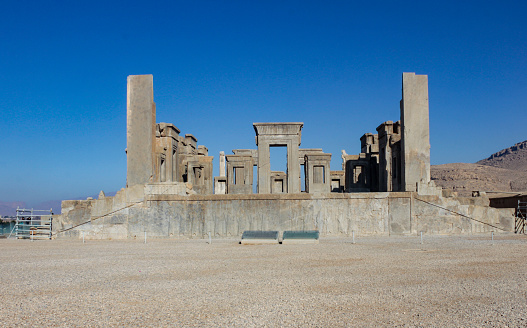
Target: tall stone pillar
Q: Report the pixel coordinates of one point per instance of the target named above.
(264, 168)
(140, 129)
(415, 132)
(293, 167)
(222, 164)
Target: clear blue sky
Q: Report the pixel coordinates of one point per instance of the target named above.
(219, 66)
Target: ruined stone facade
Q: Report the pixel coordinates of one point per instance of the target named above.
(385, 189)
(156, 153)
(397, 158)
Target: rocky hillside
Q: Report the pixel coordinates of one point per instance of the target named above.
(513, 158)
(505, 170)
(466, 177)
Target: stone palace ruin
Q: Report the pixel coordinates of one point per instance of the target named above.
(171, 191)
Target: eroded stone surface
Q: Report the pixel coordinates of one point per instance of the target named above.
(171, 191)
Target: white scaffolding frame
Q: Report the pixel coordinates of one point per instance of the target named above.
(33, 224)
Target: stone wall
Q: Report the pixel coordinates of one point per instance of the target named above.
(176, 213)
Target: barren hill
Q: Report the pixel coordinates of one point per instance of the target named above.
(505, 170)
(513, 158)
(465, 177)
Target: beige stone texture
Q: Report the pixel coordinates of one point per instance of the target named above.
(220, 185)
(140, 129)
(337, 181)
(199, 174)
(415, 132)
(239, 174)
(170, 183)
(318, 178)
(179, 214)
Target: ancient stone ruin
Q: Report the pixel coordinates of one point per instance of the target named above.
(171, 192)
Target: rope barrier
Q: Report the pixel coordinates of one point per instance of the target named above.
(109, 213)
(96, 218)
(468, 217)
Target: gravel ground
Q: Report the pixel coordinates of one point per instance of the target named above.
(448, 281)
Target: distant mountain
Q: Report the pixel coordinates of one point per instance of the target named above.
(512, 158)
(9, 208)
(505, 170)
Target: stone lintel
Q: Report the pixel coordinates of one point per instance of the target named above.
(307, 151)
(248, 152)
(274, 132)
(289, 128)
(385, 128)
(238, 158)
(168, 130)
(188, 135)
(319, 157)
(202, 150)
(190, 140)
(368, 138)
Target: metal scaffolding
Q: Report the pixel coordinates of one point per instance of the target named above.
(33, 224)
(521, 217)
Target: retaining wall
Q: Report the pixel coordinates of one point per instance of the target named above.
(132, 212)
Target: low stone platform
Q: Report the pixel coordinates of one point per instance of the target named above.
(132, 210)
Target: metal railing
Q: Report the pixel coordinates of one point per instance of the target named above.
(33, 224)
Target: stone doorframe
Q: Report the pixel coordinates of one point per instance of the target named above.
(239, 174)
(317, 180)
(278, 134)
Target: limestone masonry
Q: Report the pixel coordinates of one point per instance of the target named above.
(171, 192)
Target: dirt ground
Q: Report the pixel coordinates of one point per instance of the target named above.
(448, 281)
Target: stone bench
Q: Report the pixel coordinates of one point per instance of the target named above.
(300, 237)
(259, 237)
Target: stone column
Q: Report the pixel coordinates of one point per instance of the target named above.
(415, 132)
(293, 166)
(222, 163)
(264, 168)
(385, 156)
(140, 129)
